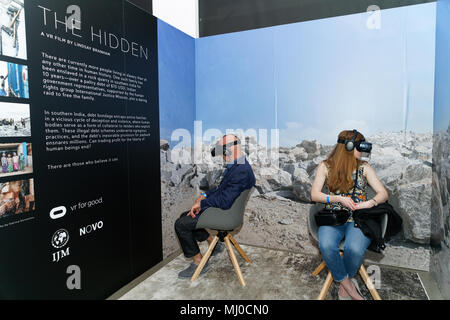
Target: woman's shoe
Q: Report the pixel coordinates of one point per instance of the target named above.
(357, 288)
(342, 298)
(349, 297)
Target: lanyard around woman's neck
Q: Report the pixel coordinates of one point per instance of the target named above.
(356, 182)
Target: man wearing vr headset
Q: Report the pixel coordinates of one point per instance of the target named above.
(346, 175)
(237, 177)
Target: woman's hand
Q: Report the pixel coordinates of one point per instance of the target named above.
(347, 202)
(365, 205)
(376, 184)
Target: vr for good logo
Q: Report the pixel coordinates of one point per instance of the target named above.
(58, 212)
(59, 240)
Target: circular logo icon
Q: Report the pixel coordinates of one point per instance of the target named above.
(60, 238)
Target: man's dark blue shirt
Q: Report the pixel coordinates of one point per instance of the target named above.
(238, 176)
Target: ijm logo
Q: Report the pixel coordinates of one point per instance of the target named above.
(59, 240)
(374, 21)
(90, 228)
(74, 280)
(374, 276)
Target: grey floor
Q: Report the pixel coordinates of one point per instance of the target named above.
(272, 274)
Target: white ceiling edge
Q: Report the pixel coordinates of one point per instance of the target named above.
(181, 14)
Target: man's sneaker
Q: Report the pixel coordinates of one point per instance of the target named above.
(218, 249)
(189, 271)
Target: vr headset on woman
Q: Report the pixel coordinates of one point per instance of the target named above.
(361, 145)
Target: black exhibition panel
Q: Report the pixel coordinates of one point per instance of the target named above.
(95, 223)
(145, 189)
(143, 4)
(225, 16)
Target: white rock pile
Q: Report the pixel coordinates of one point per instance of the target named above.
(402, 161)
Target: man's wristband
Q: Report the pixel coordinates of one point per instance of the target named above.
(375, 201)
(204, 194)
(328, 198)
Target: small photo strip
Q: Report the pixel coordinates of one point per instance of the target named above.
(16, 197)
(15, 159)
(13, 42)
(13, 80)
(15, 120)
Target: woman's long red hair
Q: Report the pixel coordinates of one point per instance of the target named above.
(341, 163)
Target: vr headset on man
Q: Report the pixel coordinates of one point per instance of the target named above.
(219, 149)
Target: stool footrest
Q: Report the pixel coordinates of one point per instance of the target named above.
(222, 235)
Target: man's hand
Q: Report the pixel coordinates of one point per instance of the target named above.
(195, 209)
(200, 198)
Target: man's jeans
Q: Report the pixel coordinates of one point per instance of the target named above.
(355, 247)
(188, 235)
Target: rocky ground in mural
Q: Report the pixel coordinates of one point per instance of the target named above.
(276, 215)
(441, 188)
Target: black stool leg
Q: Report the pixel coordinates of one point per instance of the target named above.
(222, 235)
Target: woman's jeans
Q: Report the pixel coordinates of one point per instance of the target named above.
(355, 247)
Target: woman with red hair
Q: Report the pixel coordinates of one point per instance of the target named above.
(345, 176)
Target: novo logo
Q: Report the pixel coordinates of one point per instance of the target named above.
(90, 228)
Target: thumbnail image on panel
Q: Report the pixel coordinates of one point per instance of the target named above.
(12, 33)
(15, 159)
(13, 80)
(16, 197)
(14, 120)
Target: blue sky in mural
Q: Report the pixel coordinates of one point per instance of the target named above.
(176, 51)
(314, 79)
(442, 94)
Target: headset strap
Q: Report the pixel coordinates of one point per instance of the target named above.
(344, 141)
